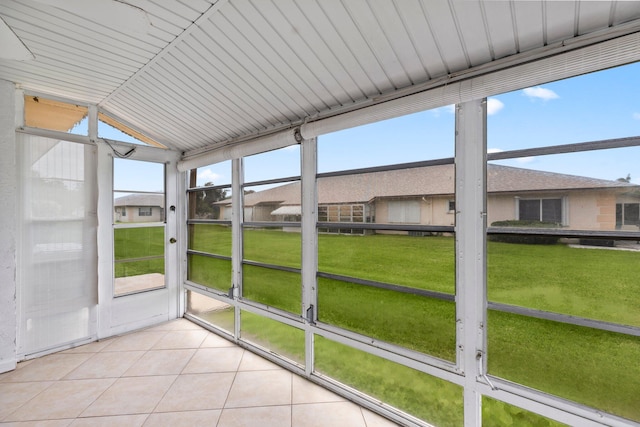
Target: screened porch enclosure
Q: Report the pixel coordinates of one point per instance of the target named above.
(422, 213)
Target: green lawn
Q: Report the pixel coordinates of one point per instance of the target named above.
(589, 366)
(143, 242)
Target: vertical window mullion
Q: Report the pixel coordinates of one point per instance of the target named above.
(237, 210)
(471, 285)
(309, 244)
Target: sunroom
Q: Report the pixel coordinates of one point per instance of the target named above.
(139, 259)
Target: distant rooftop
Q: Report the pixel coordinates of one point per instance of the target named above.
(425, 181)
(140, 200)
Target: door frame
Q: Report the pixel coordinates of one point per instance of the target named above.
(118, 315)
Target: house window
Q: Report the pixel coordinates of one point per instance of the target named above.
(627, 214)
(123, 211)
(404, 211)
(452, 205)
(144, 211)
(547, 210)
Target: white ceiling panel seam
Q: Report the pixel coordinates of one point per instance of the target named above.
(187, 84)
(251, 39)
(240, 79)
(215, 82)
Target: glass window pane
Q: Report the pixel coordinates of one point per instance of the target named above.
(210, 238)
(587, 281)
(275, 203)
(281, 163)
(212, 311)
(631, 214)
(138, 197)
(417, 322)
(112, 129)
(418, 262)
(214, 273)
(530, 210)
(579, 191)
(212, 175)
(210, 203)
(276, 246)
(426, 135)
(498, 414)
(431, 399)
(589, 366)
(567, 111)
(277, 337)
(275, 288)
(138, 176)
(139, 259)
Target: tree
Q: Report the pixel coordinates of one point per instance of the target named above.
(205, 199)
(627, 179)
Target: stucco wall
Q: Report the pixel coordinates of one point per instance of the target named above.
(8, 227)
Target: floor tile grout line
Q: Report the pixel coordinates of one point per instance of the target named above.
(175, 379)
(20, 406)
(115, 378)
(226, 399)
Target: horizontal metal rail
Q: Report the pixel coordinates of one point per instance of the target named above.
(507, 308)
(398, 166)
(207, 254)
(272, 181)
(561, 232)
(144, 258)
(209, 221)
(389, 227)
(388, 286)
(270, 224)
(565, 318)
(566, 148)
(210, 187)
(272, 266)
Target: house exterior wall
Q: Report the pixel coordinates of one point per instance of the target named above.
(132, 214)
(8, 226)
(263, 212)
(583, 210)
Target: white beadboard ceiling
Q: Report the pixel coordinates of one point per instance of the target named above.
(198, 73)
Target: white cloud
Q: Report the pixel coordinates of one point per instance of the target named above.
(636, 116)
(494, 150)
(493, 106)
(451, 109)
(207, 175)
(540, 93)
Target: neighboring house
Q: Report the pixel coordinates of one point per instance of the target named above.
(426, 196)
(139, 208)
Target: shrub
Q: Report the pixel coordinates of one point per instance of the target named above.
(524, 238)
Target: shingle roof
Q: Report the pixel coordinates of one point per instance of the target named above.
(425, 181)
(140, 200)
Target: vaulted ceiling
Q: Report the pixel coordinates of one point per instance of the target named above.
(197, 73)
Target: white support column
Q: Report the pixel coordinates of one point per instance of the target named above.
(8, 224)
(309, 243)
(471, 218)
(92, 122)
(104, 172)
(237, 203)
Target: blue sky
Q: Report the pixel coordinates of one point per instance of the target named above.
(592, 107)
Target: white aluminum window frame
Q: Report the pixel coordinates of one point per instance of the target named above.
(470, 369)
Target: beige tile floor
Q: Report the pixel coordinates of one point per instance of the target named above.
(175, 374)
